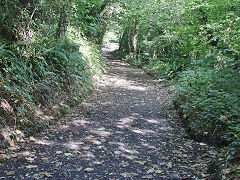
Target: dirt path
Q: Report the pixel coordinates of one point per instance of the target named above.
(125, 130)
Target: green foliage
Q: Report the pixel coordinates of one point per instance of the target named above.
(46, 54)
(25, 20)
(168, 67)
(209, 101)
(32, 75)
(184, 32)
(137, 62)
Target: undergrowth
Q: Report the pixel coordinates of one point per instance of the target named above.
(209, 101)
(41, 79)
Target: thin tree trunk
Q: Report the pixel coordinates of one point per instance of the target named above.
(135, 39)
(154, 54)
(129, 40)
(121, 41)
(62, 24)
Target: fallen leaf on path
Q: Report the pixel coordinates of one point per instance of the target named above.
(170, 134)
(128, 174)
(88, 170)
(151, 171)
(59, 152)
(159, 171)
(10, 173)
(30, 159)
(18, 131)
(13, 143)
(31, 166)
(101, 129)
(32, 139)
(141, 162)
(85, 147)
(97, 142)
(68, 154)
(76, 152)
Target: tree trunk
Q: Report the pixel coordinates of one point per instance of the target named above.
(129, 40)
(135, 39)
(62, 24)
(122, 42)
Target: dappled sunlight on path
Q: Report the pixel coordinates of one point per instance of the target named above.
(123, 131)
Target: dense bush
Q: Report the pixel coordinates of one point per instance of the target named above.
(169, 67)
(209, 101)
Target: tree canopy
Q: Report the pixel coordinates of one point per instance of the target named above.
(190, 29)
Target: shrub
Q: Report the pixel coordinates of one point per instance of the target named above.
(169, 67)
(209, 100)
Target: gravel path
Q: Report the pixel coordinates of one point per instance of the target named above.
(124, 130)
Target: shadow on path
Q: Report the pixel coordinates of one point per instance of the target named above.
(124, 130)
